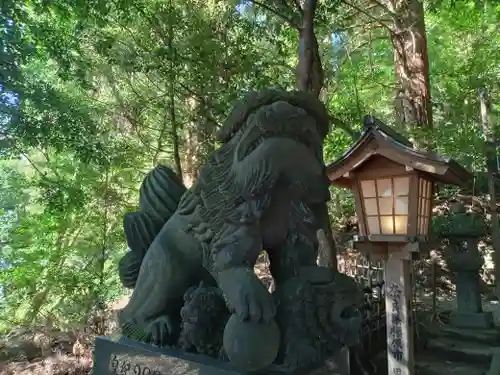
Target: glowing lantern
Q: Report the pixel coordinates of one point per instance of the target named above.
(393, 184)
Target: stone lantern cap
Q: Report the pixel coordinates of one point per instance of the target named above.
(464, 224)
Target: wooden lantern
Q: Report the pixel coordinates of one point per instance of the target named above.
(393, 203)
(393, 185)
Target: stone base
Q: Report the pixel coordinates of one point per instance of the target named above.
(472, 320)
(122, 356)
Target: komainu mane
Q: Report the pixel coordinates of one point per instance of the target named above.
(192, 251)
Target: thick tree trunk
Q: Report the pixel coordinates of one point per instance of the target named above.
(198, 140)
(413, 98)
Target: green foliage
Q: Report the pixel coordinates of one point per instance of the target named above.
(95, 93)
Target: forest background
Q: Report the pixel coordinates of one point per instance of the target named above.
(94, 93)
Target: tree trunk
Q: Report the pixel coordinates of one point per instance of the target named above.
(309, 68)
(327, 249)
(413, 98)
(491, 167)
(190, 152)
(310, 79)
(175, 139)
(199, 139)
(173, 119)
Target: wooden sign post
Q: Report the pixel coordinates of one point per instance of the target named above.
(398, 309)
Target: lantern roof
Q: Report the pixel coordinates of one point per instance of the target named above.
(379, 139)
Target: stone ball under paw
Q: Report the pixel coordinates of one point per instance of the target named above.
(249, 345)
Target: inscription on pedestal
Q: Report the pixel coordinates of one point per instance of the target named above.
(126, 357)
(121, 365)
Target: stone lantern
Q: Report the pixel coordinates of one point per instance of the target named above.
(393, 186)
(463, 233)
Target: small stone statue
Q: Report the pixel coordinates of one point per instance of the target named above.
(463, 232)
(192, 251)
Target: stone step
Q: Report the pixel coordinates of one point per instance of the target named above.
(461, 351)
(427, 364)
(485, 336)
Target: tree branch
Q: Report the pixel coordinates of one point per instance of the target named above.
(361, 25)
(384, 7)
(203, 102)
(374, 19)
(357, 48)
(346, 128)
(25, 155)
(299, 8)
(276, 13)
(350, 15)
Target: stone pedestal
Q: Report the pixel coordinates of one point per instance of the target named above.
(123, 356)
(468, 293)
(469, 313)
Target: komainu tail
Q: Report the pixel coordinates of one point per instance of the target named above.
(159, 196)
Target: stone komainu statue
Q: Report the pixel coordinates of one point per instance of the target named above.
(192, 251)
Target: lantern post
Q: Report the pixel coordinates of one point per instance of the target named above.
(393, 187)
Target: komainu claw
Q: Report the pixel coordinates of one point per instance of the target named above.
(162, 330)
